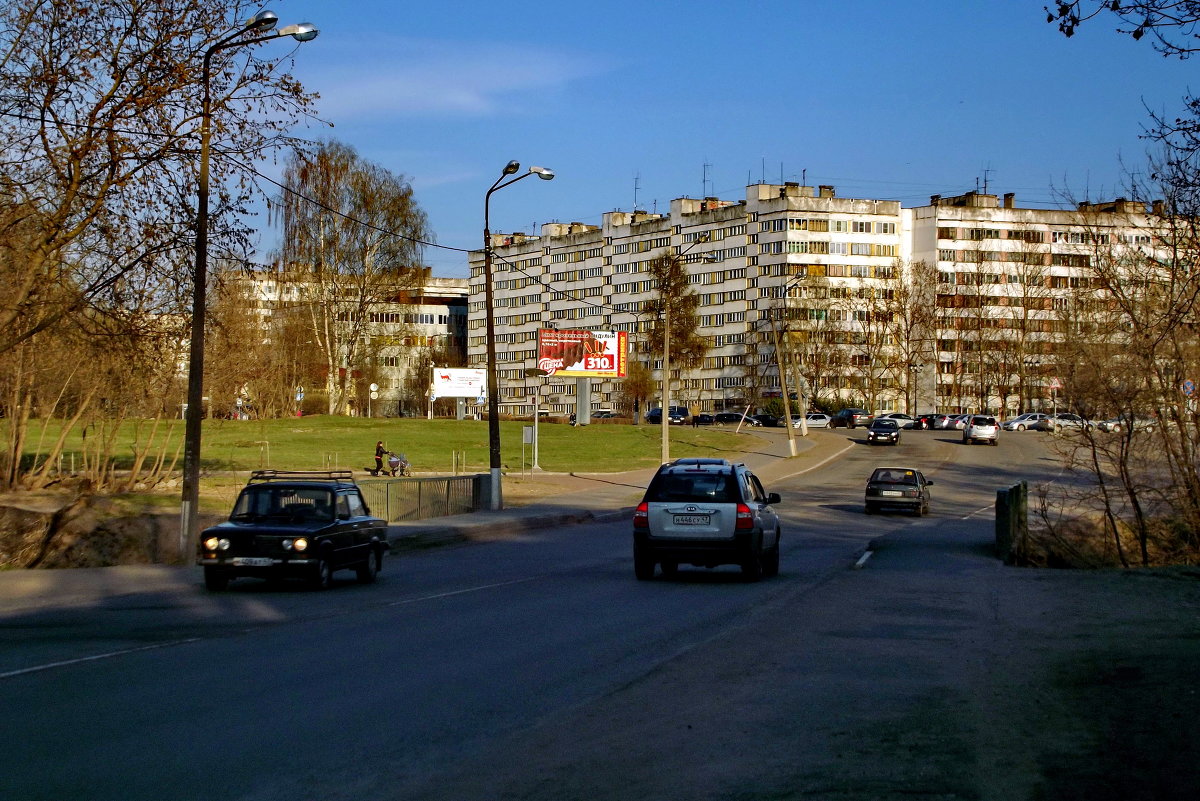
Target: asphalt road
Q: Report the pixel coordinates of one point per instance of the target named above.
(540, 669)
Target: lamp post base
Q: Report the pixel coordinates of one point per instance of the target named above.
(496, 501)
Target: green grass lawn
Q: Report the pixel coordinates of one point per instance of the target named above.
(231, 447)
(432, 446)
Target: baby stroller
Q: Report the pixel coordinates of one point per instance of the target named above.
(397, 464)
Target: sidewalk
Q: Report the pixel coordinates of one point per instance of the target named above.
(610, 496)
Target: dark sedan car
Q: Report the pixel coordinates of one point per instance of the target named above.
(733, 418)
(884, 431)
(767, 420)
(302, 524)
(850, 418)
(898, 488)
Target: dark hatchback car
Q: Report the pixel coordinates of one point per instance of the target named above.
(850, 418)
(883, 431)
(300, 524)
(897, 488)
(767, 420)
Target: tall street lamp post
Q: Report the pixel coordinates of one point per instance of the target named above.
(258, 25)
(493, 381)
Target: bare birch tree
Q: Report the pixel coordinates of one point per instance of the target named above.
(352, 240)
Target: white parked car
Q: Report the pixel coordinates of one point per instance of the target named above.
(903, 420)
(1023, 422)
(812, 419)
(980, 428)
(1063, 421)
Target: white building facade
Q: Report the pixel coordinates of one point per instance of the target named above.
(872, 303)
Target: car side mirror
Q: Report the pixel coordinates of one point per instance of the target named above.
(928, 483)
(773, 497)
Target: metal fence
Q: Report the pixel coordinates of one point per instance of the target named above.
(400, 499)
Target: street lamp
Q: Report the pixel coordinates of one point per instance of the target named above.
(258, 26)
(1030, 364)
(493, 382)
(914, 371)
(665, 417)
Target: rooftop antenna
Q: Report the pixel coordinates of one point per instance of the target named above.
(704, 182)
(637, 180)
(986, 170)
(804, 177)
(763, 171)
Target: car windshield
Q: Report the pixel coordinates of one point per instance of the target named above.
(889, 423)
(291, 503)
(699, 487)
(894, 476)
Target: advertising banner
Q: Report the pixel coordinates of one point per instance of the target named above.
(459, 382)
(599, 354)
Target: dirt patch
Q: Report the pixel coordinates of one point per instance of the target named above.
(59, 531)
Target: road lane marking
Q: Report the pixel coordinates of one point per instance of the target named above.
(862, 560)
(83, 659)
(451, 594)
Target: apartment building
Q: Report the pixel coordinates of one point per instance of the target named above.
(1009, 282)
(429, 315)
(746, 259)
(872, 303)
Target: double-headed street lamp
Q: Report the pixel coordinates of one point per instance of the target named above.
(493, 382)
(261, 27)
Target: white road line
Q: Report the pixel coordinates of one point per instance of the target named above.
(480, 588)
(811, 467)
(81, 660)
(862, 560)
(980, 510)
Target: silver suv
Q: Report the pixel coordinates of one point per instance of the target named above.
(980, 428)
(706, 512)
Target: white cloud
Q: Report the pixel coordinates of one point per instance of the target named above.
(406, 77)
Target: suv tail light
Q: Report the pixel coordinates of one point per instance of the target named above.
(745, 518)
(641, 515)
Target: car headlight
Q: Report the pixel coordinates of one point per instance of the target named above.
(210, 544)
(223, 544)
(300, 544)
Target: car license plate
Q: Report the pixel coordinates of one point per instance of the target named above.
(892, 494)
(253, 561)
(691, 520)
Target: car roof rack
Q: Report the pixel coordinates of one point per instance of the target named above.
(338, 476)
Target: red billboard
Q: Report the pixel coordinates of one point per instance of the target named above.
(600, 354)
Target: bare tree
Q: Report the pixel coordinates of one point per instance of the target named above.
(352, 234)
(1170, 24)
(99, 119)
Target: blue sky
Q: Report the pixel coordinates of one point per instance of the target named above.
(895, 100)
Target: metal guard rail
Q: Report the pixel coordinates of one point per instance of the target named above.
(398, 500)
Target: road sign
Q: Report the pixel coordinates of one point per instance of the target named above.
(1188, 387)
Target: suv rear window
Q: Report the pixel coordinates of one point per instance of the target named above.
(700, 487)
(983, 421)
